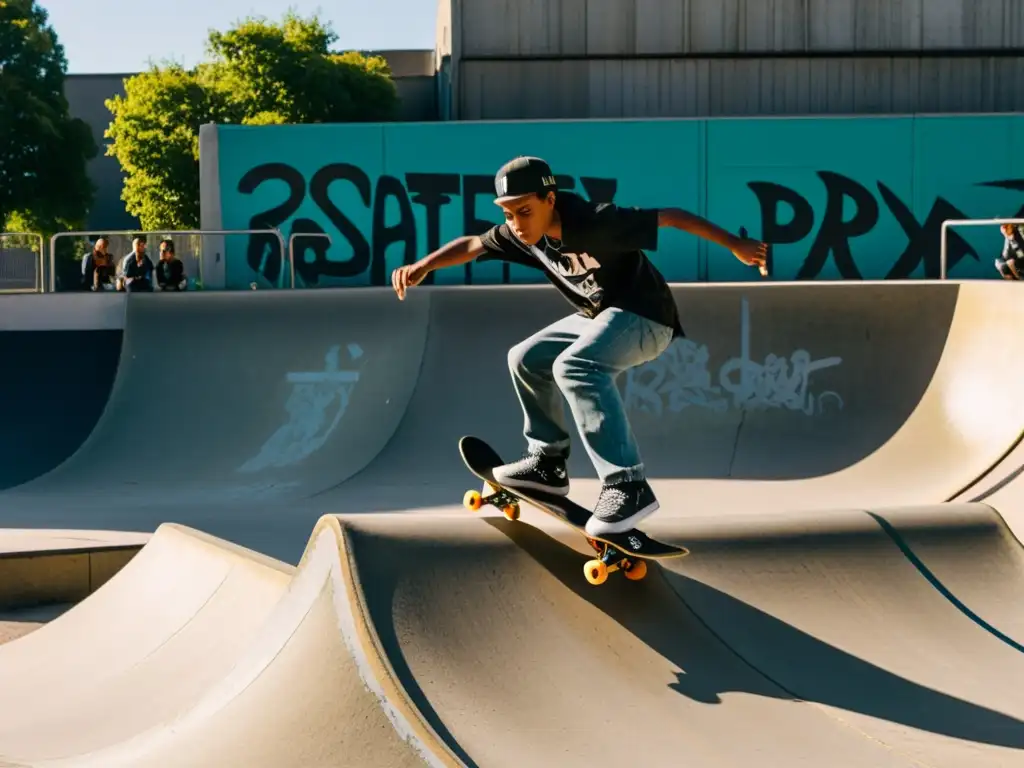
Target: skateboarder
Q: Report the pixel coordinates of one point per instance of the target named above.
(593, 253)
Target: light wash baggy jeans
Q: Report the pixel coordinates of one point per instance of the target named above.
(581, 358)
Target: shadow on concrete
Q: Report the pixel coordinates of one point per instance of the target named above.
(665, 610)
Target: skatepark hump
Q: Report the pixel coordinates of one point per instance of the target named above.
(841, 460)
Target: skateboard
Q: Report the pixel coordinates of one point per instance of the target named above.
(626, 552)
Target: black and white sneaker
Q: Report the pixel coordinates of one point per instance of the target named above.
(535, 472)
(621, 506)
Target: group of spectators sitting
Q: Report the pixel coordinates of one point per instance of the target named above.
(136, 271)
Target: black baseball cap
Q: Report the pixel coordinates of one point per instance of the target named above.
(523, 176)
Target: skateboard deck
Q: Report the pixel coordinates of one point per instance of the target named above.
(624, 552)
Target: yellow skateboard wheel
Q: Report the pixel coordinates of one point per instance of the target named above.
(472, 500)
(596, 572)
(636, 571)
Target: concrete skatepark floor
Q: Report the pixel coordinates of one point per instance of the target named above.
(846, 483)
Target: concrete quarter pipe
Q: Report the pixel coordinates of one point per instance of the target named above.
(48, 414)
(831, 454)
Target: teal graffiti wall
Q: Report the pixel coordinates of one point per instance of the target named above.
(854, 198)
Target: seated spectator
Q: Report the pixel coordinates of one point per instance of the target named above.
(98, 267)
(138, 269)
(119, 280)
(1011, 262)
(170, 271)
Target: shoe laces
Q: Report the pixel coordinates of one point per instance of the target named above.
(532, 459)
(611, 496)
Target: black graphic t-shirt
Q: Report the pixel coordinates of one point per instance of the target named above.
(600, 260)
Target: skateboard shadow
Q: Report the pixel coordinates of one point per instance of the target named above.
(666, 611)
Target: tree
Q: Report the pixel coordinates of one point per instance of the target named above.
(155, 137)
(44, 184)
(257, 73)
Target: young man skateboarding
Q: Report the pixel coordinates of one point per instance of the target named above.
(593, 253)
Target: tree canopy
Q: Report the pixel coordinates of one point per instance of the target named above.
(256, 73)
(44, 183)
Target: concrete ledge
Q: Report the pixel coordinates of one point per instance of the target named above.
(84, 311)
(44, 567)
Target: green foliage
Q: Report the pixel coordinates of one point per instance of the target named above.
(155, 137)
(258, 73)
(44, 184)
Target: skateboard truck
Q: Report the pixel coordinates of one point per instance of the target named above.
(609, 559)
(498, 497)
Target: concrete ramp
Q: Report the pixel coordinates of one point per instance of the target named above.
(897, 623)
(250, 415)
(276, 666)
(171, 622)
(782, 397)
(803, 440)
(224, 399)
(455, 640)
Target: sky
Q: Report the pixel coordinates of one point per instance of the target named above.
(122, 36)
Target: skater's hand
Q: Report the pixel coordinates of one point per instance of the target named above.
(751, 252)
(404, 278)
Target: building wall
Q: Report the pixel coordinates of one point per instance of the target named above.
(573, 89)
(706, 58)
(86, 95)
(861, 197)
(412, 70)
(445, 38)
(636, 27)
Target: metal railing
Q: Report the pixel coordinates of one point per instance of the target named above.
(291, 247)
(943, 240)
(168, 233)
(41, 266)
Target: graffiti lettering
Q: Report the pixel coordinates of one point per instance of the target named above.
(309, 424)
(836, 231)
(431, 191)
(682, 375)
(395, 207)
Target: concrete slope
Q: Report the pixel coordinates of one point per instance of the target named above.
(467, 640)
(1004, 472)
(168, 625)
(894, 622)
(227, 402)
(250, 415)
(58, 358)
(517, 661)
(782, 397)
(309, 688)
(457, 640)
(973, 558)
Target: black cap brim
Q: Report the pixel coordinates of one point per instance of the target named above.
(510, 198)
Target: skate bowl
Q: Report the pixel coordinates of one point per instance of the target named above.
(250, 415)
(842, 460)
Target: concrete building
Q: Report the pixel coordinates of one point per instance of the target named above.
(511, 59)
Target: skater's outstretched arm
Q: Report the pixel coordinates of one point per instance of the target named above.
(751, 252)
(458, 251)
